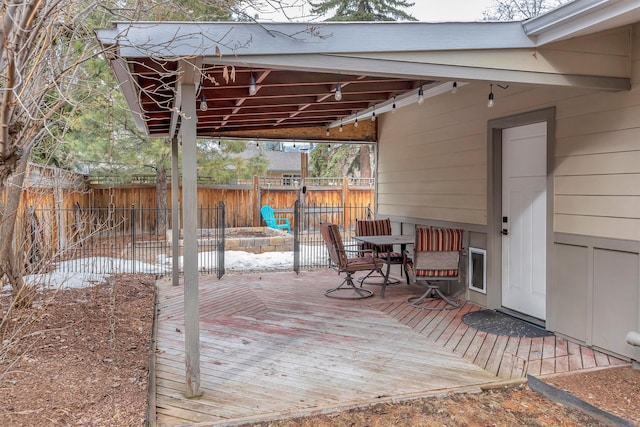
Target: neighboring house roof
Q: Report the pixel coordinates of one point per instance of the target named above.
(282, 161)
(297, 67)
(278, 161)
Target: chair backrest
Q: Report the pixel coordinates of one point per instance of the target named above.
(268, 216)
(437, 252)
(374, 227)
(333, 239)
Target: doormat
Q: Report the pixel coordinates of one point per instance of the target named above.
(493, 322)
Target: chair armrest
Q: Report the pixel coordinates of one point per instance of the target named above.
(357, 251)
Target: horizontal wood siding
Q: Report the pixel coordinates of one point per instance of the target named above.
(433, 157)
(432, 161)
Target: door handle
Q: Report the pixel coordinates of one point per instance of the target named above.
(504, 232)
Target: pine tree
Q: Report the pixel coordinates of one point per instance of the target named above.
(363, 10)
(349, 157)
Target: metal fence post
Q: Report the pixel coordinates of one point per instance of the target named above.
(296, 236)
(133, 237)
(221, 239)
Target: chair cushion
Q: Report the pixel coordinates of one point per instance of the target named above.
(327, 236)
(395, 256)
(375, 227)
(447, 241)
(360, 263)
(339, 246)
(438, 239)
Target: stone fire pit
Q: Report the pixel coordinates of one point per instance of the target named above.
(249, 239)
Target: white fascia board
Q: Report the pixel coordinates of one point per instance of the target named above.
(400, 101)
(129, 90)
(107, 38)
(425, 71)
(179, 39)
(581, 17)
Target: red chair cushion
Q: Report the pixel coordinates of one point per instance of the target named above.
(438, 239)
(375, 227)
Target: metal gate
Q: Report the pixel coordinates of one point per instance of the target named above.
(309, 248)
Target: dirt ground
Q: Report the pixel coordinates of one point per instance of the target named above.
(84, 361)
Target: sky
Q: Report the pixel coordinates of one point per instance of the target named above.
(449, 10)
(423, 10)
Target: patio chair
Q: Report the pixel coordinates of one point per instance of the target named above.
(379, 227)
(349, 265)
(436, 258)
(272, 222)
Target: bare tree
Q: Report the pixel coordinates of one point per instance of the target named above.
(41, 44)
(517, 10)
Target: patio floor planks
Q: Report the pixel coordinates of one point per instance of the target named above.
(272, 344)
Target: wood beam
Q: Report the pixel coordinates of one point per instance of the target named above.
(190, 238)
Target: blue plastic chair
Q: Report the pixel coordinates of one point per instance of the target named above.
(272, 222)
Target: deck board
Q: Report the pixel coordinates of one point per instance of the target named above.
(272, 344)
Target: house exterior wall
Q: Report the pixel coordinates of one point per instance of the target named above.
(435, 167)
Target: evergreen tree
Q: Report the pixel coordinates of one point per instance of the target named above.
(363, 10)
(349, 158)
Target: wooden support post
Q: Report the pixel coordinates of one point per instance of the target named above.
(257, 221)
(190, 239)
(304, 165)
(175, 213)
(62, 219)
(345, 197)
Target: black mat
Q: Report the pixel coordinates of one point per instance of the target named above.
(493, 322)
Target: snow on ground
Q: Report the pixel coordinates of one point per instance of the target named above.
(72, 274)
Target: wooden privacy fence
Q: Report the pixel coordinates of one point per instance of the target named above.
(59, 212)
(243, 201)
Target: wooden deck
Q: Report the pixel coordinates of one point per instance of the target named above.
(272, 345)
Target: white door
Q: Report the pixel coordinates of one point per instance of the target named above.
(524, 219)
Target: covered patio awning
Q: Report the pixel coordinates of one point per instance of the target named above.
(296, 68)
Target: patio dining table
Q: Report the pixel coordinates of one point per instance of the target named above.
(392, 239)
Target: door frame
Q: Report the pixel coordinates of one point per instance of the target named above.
(494, 202)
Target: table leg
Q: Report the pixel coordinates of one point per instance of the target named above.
(403, 248)
(386, 276)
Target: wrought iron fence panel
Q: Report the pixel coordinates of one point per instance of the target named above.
(310, 251)
(220, 212)
(130, 239)
(117, 239)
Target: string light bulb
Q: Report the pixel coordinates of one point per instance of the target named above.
(355, 124)
(340, 125)
(327, 131)
(393, 107)
(454, 88)
(338, 94)
(490, 99)
(252, 85)
(373, 115)
(203, 103)
(420, 96)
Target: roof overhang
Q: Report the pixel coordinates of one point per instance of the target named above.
(297, 67)
(580, 18)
